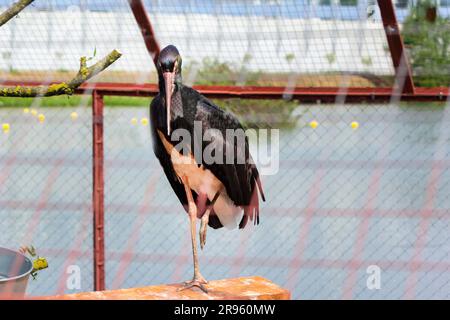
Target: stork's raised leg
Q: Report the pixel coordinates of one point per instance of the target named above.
(198, 280)
(205, 220)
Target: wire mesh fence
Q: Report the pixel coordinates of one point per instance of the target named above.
(303, 43)
(359, 186)
(236, 42)
(343, 200)
(46, 193)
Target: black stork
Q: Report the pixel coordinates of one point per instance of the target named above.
(219, 193)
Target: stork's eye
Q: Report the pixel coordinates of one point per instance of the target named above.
(167, 65)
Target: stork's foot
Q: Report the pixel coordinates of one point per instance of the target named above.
(198, 282)
(194, 283)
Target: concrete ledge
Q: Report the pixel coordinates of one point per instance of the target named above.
(246, 288)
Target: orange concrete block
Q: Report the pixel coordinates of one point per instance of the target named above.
(246, 288)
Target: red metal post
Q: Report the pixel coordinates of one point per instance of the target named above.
(98, 191)
(395, 42)
(138, 8)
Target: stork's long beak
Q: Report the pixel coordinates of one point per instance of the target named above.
(168, 82)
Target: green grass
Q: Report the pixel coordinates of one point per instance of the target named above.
(428, 43)
(73, 101)
(114, 101)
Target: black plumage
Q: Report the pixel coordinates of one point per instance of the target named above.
(240, 180)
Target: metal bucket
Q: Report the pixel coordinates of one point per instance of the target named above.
(15, 269)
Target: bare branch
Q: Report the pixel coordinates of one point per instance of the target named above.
(84, 74)
(13, 10)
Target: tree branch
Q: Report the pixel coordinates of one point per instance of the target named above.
(13, 10)
(84, 74)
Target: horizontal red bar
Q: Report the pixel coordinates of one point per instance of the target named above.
(304, 94)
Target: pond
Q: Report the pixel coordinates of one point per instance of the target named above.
(342, 200)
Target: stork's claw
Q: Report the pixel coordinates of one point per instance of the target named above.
(198, 282)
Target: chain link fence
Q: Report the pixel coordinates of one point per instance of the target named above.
(344, 201)
(46, 190)
(361, 190)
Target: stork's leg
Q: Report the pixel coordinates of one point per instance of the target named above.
(205, 220)
(198, 280)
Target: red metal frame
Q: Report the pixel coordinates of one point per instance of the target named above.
(138, 8)
(396, 47)
(303, 94)
(395, 43)
(98, 191)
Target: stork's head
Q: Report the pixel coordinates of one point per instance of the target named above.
(169, 71)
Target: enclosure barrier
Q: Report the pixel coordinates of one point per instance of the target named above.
(431, 217)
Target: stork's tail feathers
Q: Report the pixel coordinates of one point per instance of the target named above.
(251, 211)
(214, 221)
(255, 174)
(260, 189)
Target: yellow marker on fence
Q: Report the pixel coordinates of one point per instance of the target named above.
(5, 127)
(26, 110)
(34, 112)
(74, 116)
(354, 125)
(313, 124)
(144, 121)
(41, 118)
(134, 121)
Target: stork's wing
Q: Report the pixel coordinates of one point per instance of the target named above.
(240, 178)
